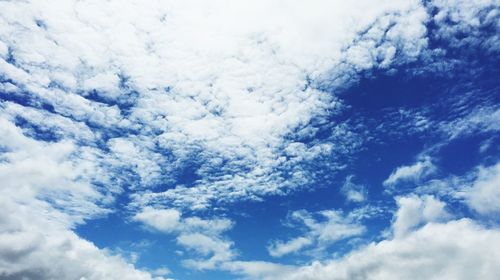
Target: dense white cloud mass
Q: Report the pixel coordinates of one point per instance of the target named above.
(195, 84)
(188, 106)
(45, 190)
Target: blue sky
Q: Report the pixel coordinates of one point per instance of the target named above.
(249, 140)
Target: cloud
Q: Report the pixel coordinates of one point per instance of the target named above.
(29, 253)
(46, 191)
(455, 250)
(438, 249)
(185, 106)
(353, 192)
(165, 220)
(214, 250)
(477, 189)
(484, 194)
(330, 226)
(412, 173)
(280, 248)
(259, 269)
(171, 220)
(201, 236)
(415, 211)
(458, 23)
(481, 120)
(165, 88)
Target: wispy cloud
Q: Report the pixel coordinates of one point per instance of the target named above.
(321, 229)
(411, 173)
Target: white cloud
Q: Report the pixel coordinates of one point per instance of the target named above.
(165, 220)
(214, 250)
(412, 173)
(456, 249)
(477, 188)
(171, 221)
(329, 227)
(259, 269)
(353, 192)
(415, 211)
(201, 236)
(46, 191)
(201, 80)
(484, 194)
(280, 248)
(480, 120)
(466, 17)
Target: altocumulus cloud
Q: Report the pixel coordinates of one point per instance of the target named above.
(189, 106)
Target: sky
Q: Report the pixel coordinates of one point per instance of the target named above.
(274, 139)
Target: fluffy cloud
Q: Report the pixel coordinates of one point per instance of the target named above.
(165, 85)
(201, 236)
(165, 220)
(455, 250)
(416, 211)
(467, 18)
(449, 249)
(484, 194)
(46, 191)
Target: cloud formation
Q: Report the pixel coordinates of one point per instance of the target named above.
(438, 249)
(329, 227)
(155, 104)
(411, 173)
(484, 194)
(173, 109)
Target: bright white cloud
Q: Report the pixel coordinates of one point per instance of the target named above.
(484, 194)
(466, 17)
(165, 220)
(480, 120)
(165, 82)
(415, 211)
(171, 220)
(456, 249)
(412, 173)
(46, 191)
